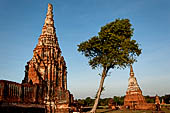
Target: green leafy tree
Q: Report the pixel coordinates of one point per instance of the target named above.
(112, 48)
(121, 101)
(166, 99)
(118, 100)
(89, 101)
(81, 102)
(149, 99)
(103, 102)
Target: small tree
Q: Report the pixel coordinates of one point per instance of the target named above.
(89, 101)
(112, 48)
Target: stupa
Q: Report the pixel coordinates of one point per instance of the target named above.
(157, 101)
(44, 88)
(134, 98)
(48, 67)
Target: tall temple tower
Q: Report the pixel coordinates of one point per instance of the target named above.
(47, 63)
(134, 95)
(48, 67)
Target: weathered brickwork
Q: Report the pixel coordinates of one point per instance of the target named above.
(45, 81)
(12, 92)
(134, 98)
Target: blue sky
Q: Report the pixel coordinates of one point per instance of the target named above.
(21, 22)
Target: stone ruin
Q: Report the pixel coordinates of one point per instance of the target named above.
(45, 81)
(134, 98)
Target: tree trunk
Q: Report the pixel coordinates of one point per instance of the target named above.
(99, 90)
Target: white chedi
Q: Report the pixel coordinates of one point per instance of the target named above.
(133, 86)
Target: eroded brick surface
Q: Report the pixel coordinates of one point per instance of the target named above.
(45, 81)
(134, 98)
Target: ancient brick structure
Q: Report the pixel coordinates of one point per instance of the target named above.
(48, 67)
(12, 92)
(134, 98)
(21, 98)
(157, 101)
(163, 103)
(45, 81)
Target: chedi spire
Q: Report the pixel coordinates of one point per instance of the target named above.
(48, 27)
(134, 98)
(47, 64)
(132, 83)
(45, 83)
(49, 17)
(131, 71)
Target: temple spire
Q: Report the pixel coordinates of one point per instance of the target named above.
(49, 17)
(47, 70)
(131, 71)
(134, 98)
(48, 27)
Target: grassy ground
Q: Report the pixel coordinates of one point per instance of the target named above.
(128, 111)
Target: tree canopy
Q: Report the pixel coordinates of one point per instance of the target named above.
(112, 47)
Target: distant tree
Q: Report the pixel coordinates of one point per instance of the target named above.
(149, 99)
(166, 99)
(118, 100)
(112, 48)
(103, 102)
(89, 101)
(81, 102)
(121, 100)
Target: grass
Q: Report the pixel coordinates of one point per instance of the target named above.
(128, 111)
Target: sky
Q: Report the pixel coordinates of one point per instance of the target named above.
(21, 22)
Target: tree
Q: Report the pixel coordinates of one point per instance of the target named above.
(81, 102)
(112, 48)
(118, 100)
(89, 101)
(167, 99)
(149, 99)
